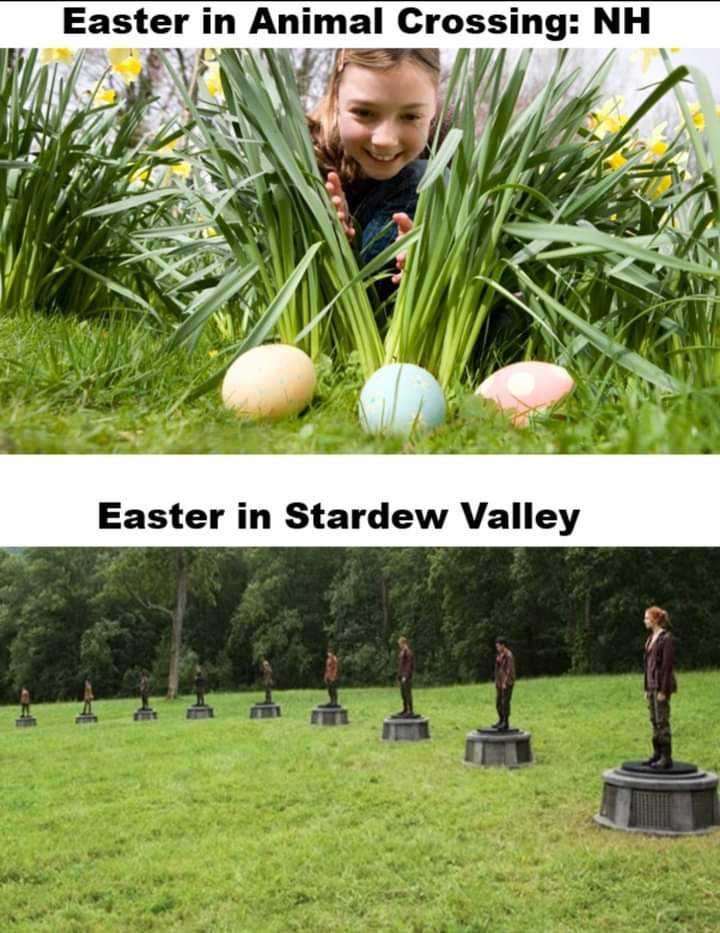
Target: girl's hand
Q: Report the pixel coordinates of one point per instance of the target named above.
(337, 196)
(661, 697)
(404, 225)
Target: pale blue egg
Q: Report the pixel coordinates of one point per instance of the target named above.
(401, 398)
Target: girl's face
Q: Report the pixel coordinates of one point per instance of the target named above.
(384, 116)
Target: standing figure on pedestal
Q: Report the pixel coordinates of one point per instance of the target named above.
(332, 675)
(145, 690)
(659, 684)
(504, 682)
(200, 686)
(406, 668)
(24, 702)
(266, 673)
(87, 698)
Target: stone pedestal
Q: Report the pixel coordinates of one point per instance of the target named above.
(265, 711)
(682, 801)
(405, 730)
(200, 712)
(329, 716)
(25, 722)
(144, 715)
(487, 748)
(84, 718)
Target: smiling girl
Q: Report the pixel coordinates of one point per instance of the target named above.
(369, 132)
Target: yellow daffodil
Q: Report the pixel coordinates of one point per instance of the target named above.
(658, 186)
(168, 147)
(182, 169)
(48, 56)
(140, 174)
(647, 56)
(655, 143)
(616, 160)
(608, 119)
(209, 55)
(698, 117)
(209, 231)
(103, 95)
(126, 63)
(212, 79)
(213, 353)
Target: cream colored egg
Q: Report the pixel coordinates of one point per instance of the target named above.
(274, 381)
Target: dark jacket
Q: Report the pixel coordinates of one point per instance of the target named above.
(406, 664)
(505, 669)
(659, 664)
(372, 203)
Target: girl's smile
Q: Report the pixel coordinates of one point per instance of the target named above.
(384, 116)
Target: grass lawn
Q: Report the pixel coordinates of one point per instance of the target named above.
(232, 824)
(68, 386)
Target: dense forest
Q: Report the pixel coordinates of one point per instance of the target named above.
(70, 613)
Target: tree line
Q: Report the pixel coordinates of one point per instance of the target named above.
(109, 614)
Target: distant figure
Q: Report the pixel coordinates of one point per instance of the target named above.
(504, 682)
(332, 675)
(24, 702)
(145, 690)
(660, 684)
(200, 686)
(406, 668)
(87, 699)
(266, 673)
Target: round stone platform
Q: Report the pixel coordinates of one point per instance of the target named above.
(25, 722)
(265, 711)
(495, 748)
(144, 715)
(329, 716)
(200, 712)
(680, 801)
(85, 718)
(397, 729)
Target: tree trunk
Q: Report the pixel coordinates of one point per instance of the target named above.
(178, 617)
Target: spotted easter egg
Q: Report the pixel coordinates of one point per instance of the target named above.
(401, 398)
(524, 388)
(273, 382)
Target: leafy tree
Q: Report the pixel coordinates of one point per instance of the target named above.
(283, 613)
(161, 581)
(57, 588)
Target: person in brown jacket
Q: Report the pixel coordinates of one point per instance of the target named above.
(87, 699)
(660, 684)
(331, 677)
(145, 690)
(504, 682)
(24, 702)
(266, 673)
(406, 668)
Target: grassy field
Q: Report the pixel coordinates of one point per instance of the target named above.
(232, 824)
(68, 386)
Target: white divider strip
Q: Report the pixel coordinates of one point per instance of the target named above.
(471, 501)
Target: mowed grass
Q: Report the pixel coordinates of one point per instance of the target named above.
(233, 824)
(71, 386)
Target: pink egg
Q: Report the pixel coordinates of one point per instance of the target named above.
(526, 387)
(274, 381)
